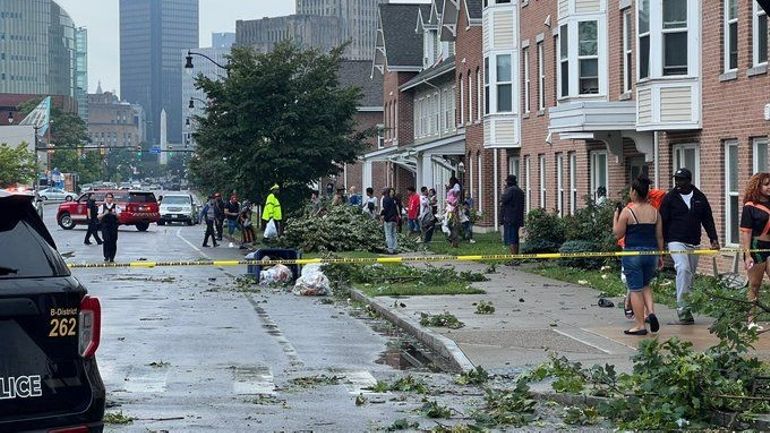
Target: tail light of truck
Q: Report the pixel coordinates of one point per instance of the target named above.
(89, 326)
(80, 429)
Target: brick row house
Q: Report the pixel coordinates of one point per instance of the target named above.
(574, 96)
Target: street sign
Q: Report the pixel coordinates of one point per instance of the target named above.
(155, 150)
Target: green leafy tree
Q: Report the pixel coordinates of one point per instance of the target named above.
(279, 117)
(17, 165)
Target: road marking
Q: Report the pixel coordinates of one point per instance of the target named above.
(149, 382)
(253, 381)
(286, 346)
(359, 381)
(579, 340)
(179, 235)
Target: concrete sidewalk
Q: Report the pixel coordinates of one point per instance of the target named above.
(535, 315)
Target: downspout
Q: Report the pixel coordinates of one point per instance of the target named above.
(656, 156)
(495, 188)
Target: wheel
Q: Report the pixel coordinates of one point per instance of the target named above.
(190, 222)
(142, 227)
(66, 222)
(161, 223)
(68, 198)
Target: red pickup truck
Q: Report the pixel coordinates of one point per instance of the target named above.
(139, 208)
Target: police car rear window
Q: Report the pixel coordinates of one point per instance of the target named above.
(25, 253)
(140, 197)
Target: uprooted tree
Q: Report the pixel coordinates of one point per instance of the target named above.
(279, 117)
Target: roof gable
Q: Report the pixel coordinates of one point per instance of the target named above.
(398, 44)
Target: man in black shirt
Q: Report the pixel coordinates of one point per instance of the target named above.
(390, 217)
(219, 209)
(93, 221)
(683, 211)
(232, 210)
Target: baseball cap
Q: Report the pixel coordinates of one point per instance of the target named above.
(683, 173)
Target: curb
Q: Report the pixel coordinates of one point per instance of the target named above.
(439, 344)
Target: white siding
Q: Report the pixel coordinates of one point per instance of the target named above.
(503, 25)
(563, 8)
(676, 104)
(488, 131)
(644, 106)
(487, 24)
(587, 6)
(505, 134)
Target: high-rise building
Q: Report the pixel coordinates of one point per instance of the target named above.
(153, 33)
(358, 22)
(197, 96)
(307, 31)
(81, 72)
(38, 48)
(222, 40)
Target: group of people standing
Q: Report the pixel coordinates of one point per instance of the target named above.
(238, 217)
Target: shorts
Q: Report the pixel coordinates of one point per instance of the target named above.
(510, 234)
(639, 270)
(760, 256)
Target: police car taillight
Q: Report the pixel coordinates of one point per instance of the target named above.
(89, 326)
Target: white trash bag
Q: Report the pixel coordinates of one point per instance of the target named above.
(275, 275)
(271, 231)
(313, 282)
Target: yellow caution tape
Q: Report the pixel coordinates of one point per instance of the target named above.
(397, 260)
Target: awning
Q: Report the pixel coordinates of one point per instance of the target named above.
(452, 145)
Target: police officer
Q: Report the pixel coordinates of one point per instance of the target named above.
(108, 216)
(93, 220)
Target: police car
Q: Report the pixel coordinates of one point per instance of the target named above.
(49, 332)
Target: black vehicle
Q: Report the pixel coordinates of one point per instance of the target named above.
(50, 329)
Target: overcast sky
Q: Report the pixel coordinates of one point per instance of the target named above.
(101, 19)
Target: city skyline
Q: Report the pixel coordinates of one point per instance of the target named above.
(101, 19)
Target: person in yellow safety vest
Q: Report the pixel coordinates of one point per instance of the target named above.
(272, 209)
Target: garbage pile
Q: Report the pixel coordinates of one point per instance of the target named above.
(312, 282)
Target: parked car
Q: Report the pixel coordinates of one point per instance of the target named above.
(139, 208)
(178, 207)
(57, 194)
(50, 330)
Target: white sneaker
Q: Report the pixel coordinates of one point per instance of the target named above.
(756, 327)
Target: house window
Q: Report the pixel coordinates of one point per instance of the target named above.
(436, 113)
(760, 155)
(470, 174)
(462, 100)
(541, 173)
(513, 167)
(731, 35)
(564, 60)
(470, 97)
(560, 183)
(452, 110)
(479, 95)
(526, 80)
(572, 183)
(486, 85)
(443, 111)
(687, 156)
(644, 38)
(540, 78)
(504, 84)
(527, 182)
(759, 26)
(588, 57)
(674, 37)
(731, 193)
(479, 173)
(599, 170)
(627, 38)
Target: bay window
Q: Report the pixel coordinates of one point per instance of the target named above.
(644, 38)
(504, 84)
(564, 60)
(674, 37)
(588, 57)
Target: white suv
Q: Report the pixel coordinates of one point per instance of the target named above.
(178, 207)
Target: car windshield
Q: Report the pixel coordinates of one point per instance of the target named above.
(26, 254)
(176, 200)
(141, 197)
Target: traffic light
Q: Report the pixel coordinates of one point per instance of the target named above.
(138, 150)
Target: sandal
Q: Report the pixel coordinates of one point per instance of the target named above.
(605, 303)
(654, 323)
(637, 332)
(629, 312)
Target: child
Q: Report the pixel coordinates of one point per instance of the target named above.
(466, 220)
